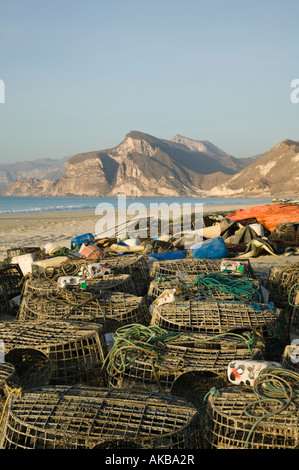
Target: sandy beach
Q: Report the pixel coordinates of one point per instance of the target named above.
(28, 230)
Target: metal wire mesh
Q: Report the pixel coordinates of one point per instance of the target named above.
(224, 316)
(134, 265)
(81, 417)
(11, 280)
(188, 286)
(109, 282)
(191, 266)
(228, 426)
(111, 310)
(178, 363)
(45, 352)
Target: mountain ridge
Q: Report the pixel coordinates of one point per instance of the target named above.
(142, 165)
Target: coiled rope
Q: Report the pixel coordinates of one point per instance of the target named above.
(134, 340)
(239, 288)
(277, 390)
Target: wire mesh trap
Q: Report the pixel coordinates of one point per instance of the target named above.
(192, 266)
(11, 280)
(283, 287)
(8, 378)
(4, 303)
(109, 282)
(134, 265)
(81, 417)
(216, 286)
(110, 309)
(216, 317)
(262, 417)
(155, 359)
(35, 250)
(45, 352)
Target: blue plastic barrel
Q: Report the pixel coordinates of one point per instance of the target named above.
(78, 241)
(169, 255)
(214, 248)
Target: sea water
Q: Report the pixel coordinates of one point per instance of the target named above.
(19, 204)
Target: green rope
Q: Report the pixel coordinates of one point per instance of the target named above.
(239, 288)
(131, 341)
(273, 386)
(289, 295)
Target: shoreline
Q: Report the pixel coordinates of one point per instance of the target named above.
(38, 228)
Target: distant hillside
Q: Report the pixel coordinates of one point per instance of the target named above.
(274, 174)
(49, 168)
(141, 165)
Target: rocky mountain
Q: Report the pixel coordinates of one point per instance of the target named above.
(41, 168)
(141, 165)
(275, 174)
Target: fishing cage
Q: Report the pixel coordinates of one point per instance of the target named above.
(34, 250)
(290, 357)
(11, 280)
(193, 266)
(134, 265)
(238, 418)
(5, 308)
(44, 352)
(81, 417)
(215, 317)
(185, 366)
(109, 282)
(283, 287)
(8, 379)
(218, 286)
(110, 309)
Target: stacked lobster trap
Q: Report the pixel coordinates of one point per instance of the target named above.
(81, 417)
(283, 286)
(110, 309)
(49, 352)
(264, 416)
(182, 364)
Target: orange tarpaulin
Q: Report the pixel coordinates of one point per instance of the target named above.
(268, 216)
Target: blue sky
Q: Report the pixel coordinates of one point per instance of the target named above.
(80, 75)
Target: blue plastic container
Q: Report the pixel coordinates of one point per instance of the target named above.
(169, 255)
(78, 241)
(214, 248)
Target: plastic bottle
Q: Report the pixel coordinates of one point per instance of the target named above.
(78, 241)
(63, 281)
(169, 255)
(213, 248)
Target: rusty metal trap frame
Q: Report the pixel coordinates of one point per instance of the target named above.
(261, 417)
(81, 417)
(192, 266)
(11, 280)
(45, 352)
(110, 309)
(109, 282)
(134, 265)
(206, 287)
(226, 316)
(179, 365)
